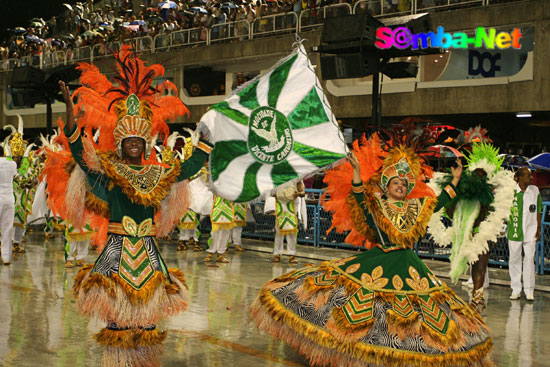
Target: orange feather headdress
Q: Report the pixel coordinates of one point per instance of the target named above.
(378, 159)
(130, 108)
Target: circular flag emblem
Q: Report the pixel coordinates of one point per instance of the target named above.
(269, 136)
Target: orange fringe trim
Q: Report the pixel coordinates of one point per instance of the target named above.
(172, 288)
(277, 318)
(130, 339)
(442, 341)
(135, 296)
(155, 197)
(400, 321)
(339, 319)
(79, 277)
(351, 286)
(96, 205)
(311, 287)
(403, 327)
(339, 327)
(318, 299)
(358, 218)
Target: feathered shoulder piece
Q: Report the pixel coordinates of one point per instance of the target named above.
(371, 157)
(127, 106)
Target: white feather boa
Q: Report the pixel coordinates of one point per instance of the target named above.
(489, 229)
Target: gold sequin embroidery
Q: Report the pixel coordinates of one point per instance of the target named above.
(375, 280)
(353, 268)
(403, 219)
(145, 180)
(397, 282)
(415, 282)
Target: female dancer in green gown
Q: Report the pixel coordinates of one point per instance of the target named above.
(383, 307)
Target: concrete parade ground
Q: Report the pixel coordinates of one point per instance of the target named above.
(41, 326)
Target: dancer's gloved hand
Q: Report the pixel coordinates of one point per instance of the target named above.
(195, 136)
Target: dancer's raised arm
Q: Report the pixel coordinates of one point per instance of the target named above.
(68, 103)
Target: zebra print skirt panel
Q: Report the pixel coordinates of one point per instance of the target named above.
(108, 261)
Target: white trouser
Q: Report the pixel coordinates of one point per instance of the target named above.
(186, 234)
(519, 332)
(515, 267)
(7, 211)
(18, 233)
(236, 233)
(290, 243)
(78, 250)
(219, 241)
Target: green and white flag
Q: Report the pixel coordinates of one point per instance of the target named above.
(275, 129)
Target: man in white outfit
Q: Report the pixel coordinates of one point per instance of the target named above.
(8, 170)
(523, 232)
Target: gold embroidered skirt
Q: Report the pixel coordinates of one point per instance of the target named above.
(375, 309)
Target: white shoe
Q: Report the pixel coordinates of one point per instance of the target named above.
(515, 296)
(529, 296)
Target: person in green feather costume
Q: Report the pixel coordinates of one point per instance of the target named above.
(485, 195)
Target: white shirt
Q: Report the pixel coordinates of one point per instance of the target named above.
(8, 169)
(530, 223)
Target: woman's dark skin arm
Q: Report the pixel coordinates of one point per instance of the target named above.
(69, 105)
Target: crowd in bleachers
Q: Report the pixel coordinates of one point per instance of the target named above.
(85, 24)
(92, 22)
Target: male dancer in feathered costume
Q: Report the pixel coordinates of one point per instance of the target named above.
(486, 193)
(130, 199)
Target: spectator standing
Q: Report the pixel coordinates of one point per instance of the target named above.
(239, 79)
(523, 232)
(541, 179)
(262, 12)
(250, 14)
(241, 29)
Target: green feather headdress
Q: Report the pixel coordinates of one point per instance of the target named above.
(484, 156)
